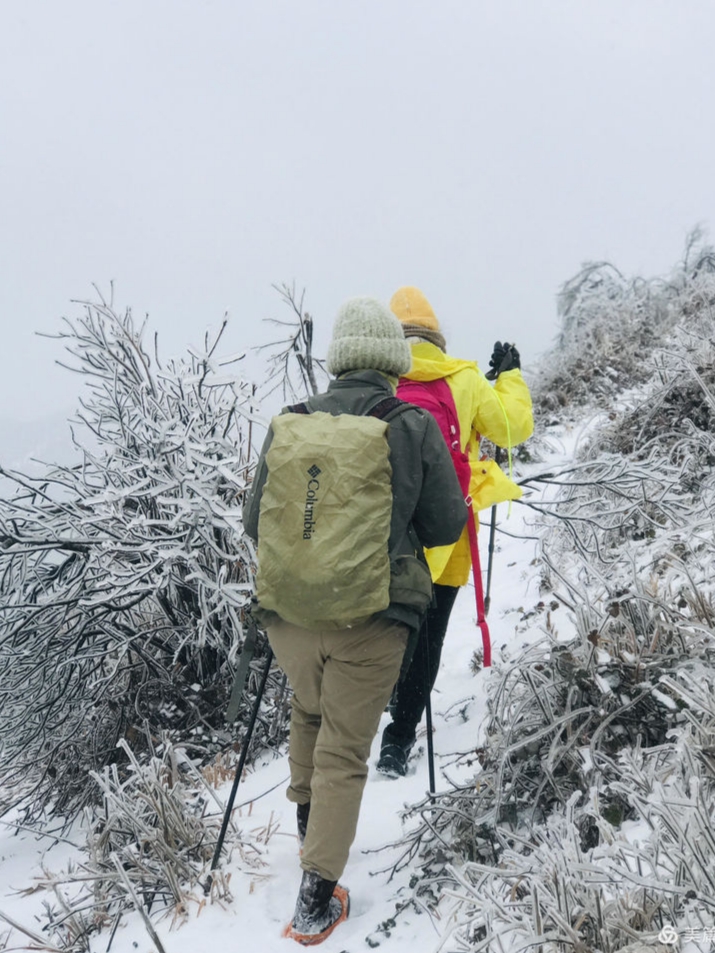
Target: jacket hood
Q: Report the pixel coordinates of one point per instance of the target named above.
(367, 376)
(430, 364)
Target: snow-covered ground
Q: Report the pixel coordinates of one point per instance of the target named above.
(263, 896)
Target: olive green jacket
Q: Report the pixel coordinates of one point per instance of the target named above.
(428, 507)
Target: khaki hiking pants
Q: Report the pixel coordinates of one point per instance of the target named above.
(341, 681)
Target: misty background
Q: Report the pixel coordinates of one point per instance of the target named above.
(194, 152)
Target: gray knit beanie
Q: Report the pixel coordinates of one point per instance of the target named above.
(366, 335)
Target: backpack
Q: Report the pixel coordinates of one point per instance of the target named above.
(324, 519)
(436, 397)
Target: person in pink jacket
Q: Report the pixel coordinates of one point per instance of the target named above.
(501, 412)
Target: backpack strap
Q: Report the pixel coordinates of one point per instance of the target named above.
(297, 409)
(387, 407)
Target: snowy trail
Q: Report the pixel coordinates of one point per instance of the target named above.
(263, 896)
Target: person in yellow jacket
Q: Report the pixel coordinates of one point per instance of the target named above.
(502, 413)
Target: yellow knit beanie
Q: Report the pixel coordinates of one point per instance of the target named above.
(411, 307)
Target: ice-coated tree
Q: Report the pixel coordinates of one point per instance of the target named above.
(293, 365)
(124, 578)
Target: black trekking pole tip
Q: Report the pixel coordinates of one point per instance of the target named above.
(208, 885)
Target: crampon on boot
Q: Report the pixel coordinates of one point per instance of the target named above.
(322, 905)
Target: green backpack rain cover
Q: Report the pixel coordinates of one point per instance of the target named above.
(324, 521)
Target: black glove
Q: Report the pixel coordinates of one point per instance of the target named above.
(505, 357)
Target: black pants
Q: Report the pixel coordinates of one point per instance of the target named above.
(411, 693)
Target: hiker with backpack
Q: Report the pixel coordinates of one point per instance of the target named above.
(349, 488)
(467, 407)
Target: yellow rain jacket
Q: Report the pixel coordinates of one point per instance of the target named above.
(502, 413)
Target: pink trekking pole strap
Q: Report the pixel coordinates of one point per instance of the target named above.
(478, 588)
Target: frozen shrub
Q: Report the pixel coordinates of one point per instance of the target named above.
(124, 578)
(589, 822)
(611, 326)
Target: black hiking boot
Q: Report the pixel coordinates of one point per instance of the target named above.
(302, 814)
(394, 754)
(322, 905)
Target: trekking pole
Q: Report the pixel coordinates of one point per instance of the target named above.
(239, 682)
(492, 534)
(428, 711)
(239, 772)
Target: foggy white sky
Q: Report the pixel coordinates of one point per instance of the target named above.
(195, 151)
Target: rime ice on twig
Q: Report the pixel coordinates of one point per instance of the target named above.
(292, 363)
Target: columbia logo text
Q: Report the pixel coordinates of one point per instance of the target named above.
(311, 498)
